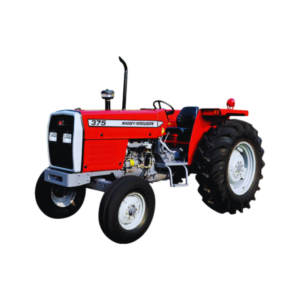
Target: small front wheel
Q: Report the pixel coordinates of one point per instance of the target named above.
(56, 201)
(127, 209)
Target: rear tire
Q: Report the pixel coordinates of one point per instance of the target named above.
(58, 202)
(127, 209)
(222, 155)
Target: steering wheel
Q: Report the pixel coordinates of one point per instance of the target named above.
(159, 104)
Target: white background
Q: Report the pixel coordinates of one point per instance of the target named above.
(60, 55)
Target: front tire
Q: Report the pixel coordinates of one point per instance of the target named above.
(229, 158)
(127, 209)
(56, 201)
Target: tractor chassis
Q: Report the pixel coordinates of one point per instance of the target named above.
(92, 180)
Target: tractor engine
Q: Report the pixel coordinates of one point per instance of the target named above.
(140, 161)
(143, 159)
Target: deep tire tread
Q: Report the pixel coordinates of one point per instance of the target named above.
(108, 211)
(212, 156)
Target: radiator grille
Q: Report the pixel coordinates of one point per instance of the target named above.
(61, 154)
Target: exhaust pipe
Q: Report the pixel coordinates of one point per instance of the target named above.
(125, 83)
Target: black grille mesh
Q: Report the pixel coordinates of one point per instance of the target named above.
(61, 153)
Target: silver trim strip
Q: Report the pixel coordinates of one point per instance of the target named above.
(72, 180)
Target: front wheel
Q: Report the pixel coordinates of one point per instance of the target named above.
(127, 209)
(230, 161)
(56, 201)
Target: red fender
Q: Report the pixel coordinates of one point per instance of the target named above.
(205, 119)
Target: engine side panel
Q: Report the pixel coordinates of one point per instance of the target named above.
(102, 155)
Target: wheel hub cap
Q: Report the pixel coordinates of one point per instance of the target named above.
(131, 211)
(62, 196)
(241, 168)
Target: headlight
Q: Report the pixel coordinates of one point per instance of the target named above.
(52, 136)
(67, 138)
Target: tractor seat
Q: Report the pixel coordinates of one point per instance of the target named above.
(185, 122)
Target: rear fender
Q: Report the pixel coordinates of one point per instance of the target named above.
(206, 118)
(222, 113)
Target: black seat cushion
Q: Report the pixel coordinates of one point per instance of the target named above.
(185, 122)
(187, 117)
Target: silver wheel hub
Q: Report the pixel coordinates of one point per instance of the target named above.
(131, 211)
(62, 196)
(241, 168)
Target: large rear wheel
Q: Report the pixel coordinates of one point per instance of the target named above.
(229, 158)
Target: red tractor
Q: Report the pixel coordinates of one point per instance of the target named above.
(120, 152)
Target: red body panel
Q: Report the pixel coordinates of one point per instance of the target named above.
(223, 112)
(105, 147)
(200, 127)
(205, 119)
(102, 155)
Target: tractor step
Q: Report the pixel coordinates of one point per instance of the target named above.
(169, 167)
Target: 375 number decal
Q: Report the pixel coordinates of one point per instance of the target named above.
(97, 122)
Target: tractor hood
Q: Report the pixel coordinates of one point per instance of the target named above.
(124, 124)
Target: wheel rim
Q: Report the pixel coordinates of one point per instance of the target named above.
(131, 211)
(62, 196)
(241, 168)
